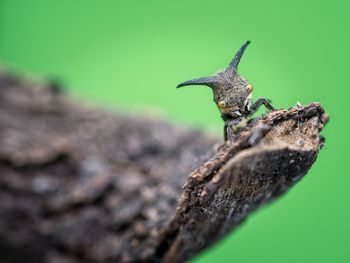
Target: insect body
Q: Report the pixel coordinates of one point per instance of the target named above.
(232, 94)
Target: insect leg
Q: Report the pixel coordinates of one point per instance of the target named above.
(230, 128)
(260, 102)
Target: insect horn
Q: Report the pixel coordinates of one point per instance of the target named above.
(213, 81)
(235, 61)
(207, 81)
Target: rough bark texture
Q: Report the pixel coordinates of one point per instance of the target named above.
(82, 185)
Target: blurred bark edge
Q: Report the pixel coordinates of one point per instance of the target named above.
(79, 184)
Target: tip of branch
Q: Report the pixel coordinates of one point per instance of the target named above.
(267, 158)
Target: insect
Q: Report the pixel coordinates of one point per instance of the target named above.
(232, 94)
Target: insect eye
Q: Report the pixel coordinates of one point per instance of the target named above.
(250, 87)
(221, 104)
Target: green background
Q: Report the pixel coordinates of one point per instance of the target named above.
(131, 55)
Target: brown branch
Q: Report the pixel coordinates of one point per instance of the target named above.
(82, 185)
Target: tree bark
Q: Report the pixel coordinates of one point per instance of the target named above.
(79, 184)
